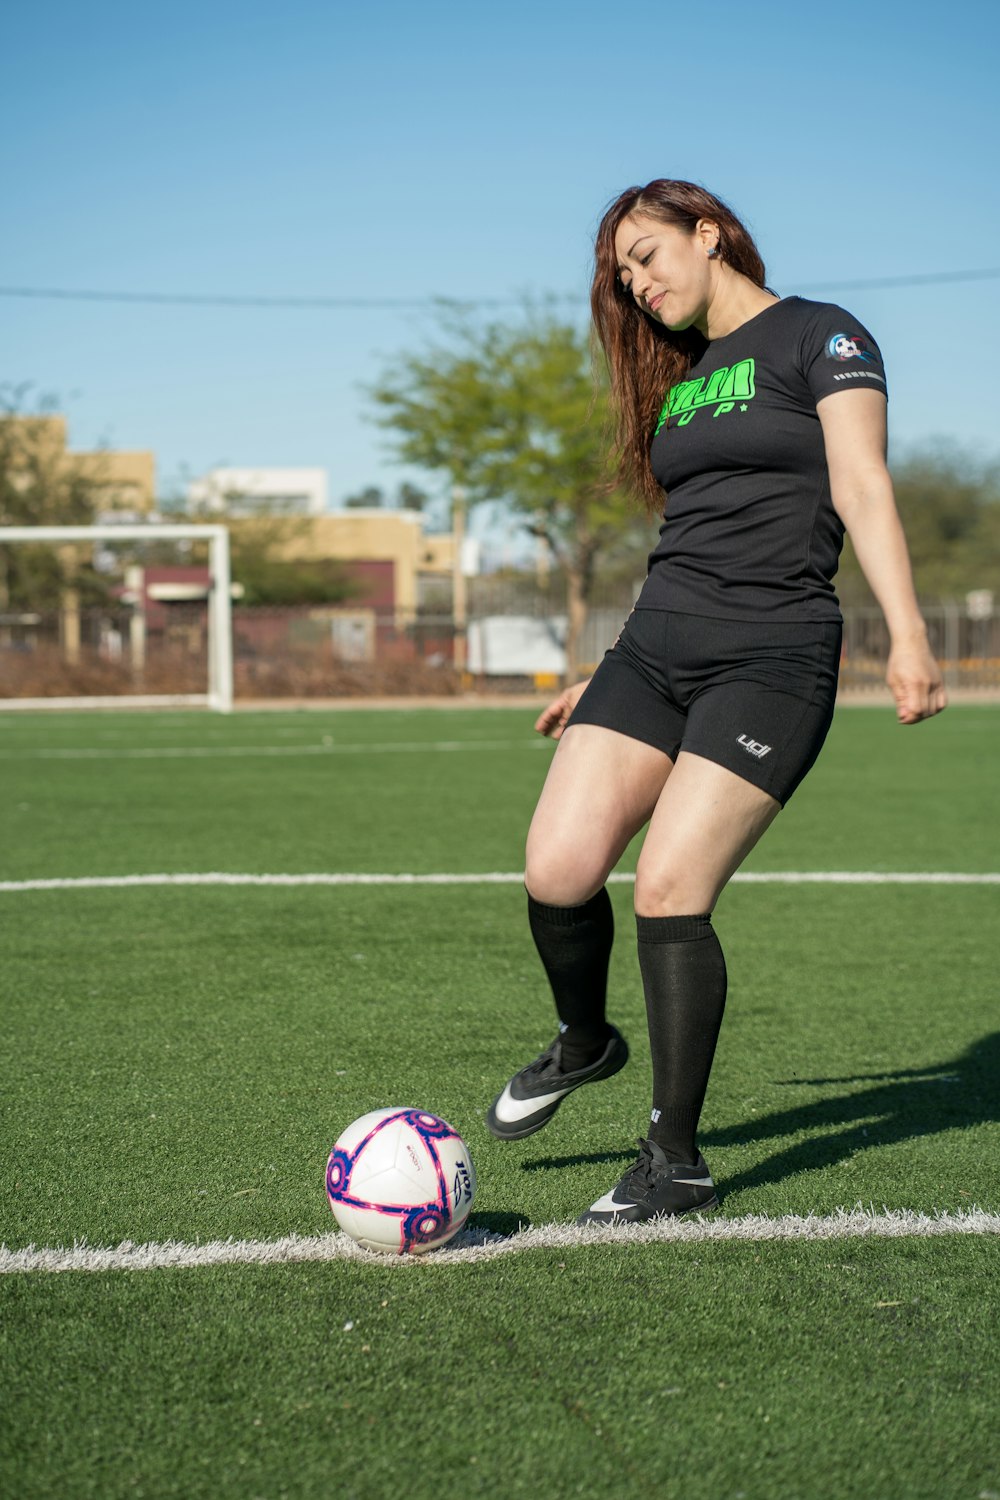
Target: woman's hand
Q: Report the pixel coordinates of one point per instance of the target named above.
(552, 720)
(914, 679)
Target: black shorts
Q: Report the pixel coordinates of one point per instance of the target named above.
(755, 697)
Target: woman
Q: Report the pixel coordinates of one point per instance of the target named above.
(764, 421)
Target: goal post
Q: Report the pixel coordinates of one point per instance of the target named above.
(220, 630)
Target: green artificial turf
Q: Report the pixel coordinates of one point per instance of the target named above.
(178, 1062)
(823, 1370)
(882, 797)
(188, 1057)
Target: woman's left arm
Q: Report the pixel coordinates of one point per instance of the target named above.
(854, 432)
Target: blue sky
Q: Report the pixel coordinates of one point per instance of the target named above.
(402, 151)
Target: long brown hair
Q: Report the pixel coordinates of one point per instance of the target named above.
(644, 358)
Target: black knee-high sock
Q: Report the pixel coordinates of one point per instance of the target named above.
(574, 944)
(684, 978)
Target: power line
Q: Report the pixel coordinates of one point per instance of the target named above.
(212, 299)
(890, 281)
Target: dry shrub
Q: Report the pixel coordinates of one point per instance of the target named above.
(43, 673)
(306, 677)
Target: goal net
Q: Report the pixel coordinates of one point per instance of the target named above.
(142, 617)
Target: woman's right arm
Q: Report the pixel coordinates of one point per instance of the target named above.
(552, 720)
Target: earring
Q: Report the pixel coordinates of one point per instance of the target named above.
(713, 253)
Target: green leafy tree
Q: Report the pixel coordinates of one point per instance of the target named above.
(950, 507)
(41, 484)
(257, 547)
(511, 412)
(411, 497)
(372, 497)
(263, 560)
(268, 556)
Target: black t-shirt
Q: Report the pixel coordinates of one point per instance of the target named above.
(749, 527)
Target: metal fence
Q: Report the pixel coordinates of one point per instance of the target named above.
(967, 647)
(513, 640)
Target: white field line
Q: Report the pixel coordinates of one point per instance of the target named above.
(182, 752)
(474, 1245)
(219, 878)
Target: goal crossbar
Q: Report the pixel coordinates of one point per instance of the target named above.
(220, 627)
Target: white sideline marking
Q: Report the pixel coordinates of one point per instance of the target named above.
(864, 877)
(763, 877)
(481, 1244)
(181, 752)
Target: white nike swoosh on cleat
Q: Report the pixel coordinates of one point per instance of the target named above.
(607, 1204)
(509, 1110)
(696, 1181)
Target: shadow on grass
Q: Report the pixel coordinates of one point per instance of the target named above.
(506, 1224)
(899, 1106)
(543, 1163)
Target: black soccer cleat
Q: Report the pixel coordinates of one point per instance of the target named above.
(654, 1187)
(532, 1096)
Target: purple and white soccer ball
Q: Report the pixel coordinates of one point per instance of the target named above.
(400, 1181)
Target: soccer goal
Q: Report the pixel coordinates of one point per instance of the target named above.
(124, 637)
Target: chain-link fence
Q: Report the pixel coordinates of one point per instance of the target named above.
(514, 640)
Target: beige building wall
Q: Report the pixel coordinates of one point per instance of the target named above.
(125, 480)
(48, 434)
(395, 536)
(438, 554)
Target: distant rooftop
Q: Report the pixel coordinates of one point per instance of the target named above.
(254, 492)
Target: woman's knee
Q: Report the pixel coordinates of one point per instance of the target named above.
(558, 875)
(672, 892)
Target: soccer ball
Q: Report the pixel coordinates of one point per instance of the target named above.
(400, 1181)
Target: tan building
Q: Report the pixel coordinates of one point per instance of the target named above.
(387, 548)
(377, 536)
(125, 480)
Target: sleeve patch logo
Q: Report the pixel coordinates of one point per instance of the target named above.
(849, 346)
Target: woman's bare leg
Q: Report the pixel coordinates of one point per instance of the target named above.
(706, 821)
(601, 789)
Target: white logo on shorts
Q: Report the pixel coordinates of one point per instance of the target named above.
(754, 746)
